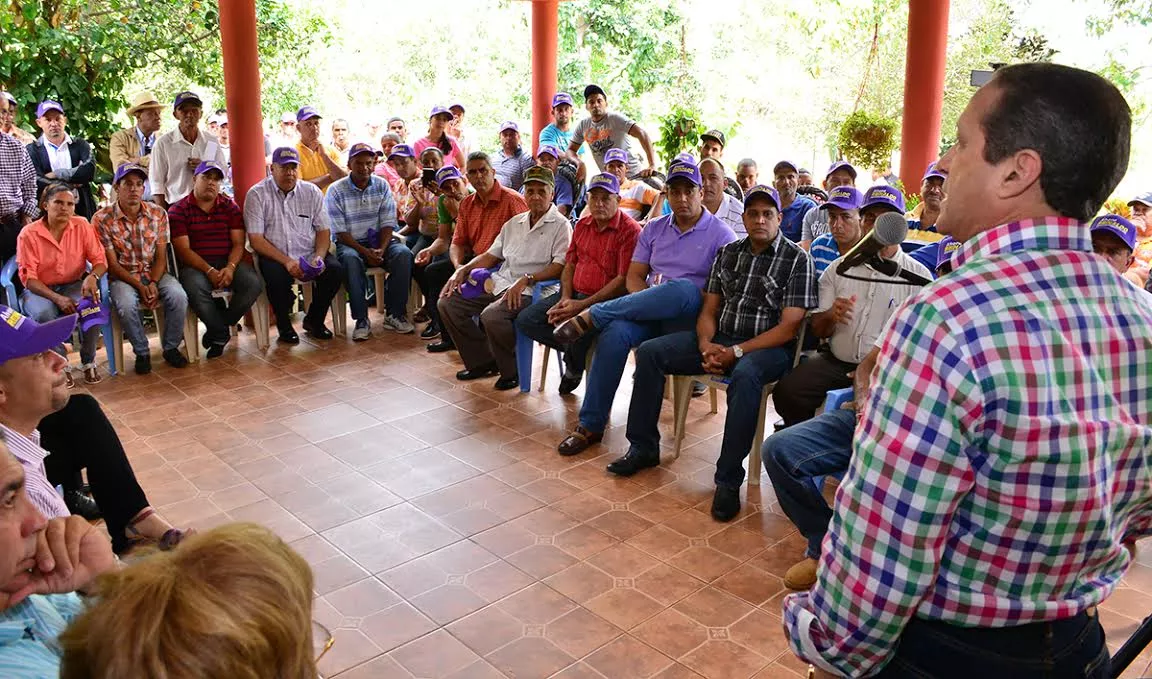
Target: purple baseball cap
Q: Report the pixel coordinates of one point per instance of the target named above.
(401, 151)
(456, 104)
(127, 168)
(307, 113)
(92, 314)
(844, 197)
(509, 125)
(361, 147)
(447, 173)
(185, 97)
(933, 172)
(476, 284)
(548, 148)
(208, 166)
(686, 170)
(561, 98)
(439, 110)
(840, 165)
(285, 155)
(1117, 226)
(785, 163)
(948, 247)
(615, 155)
(763, 191)
(48, 105)
(605, 181)
(311, 268)
(1144, 199)
(684, 157)
(8, 95)
(884, 195)
(21, 336)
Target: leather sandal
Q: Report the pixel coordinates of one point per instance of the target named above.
(579, 441)
(574, 328)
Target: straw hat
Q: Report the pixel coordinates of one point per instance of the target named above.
(144, 100)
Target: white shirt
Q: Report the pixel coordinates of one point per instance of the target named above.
(58, 156)
(528, 248)
(876, 301)
(168, 171)
(290, 220)
(731, 212)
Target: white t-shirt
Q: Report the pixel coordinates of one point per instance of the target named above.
(610, 133)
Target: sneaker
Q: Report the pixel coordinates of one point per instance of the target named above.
(430, 333)
(174, 358)
(362, 331)
(398, 325)
(801, 576)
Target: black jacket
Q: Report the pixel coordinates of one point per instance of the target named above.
(82, 163)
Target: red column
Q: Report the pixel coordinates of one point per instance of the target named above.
(545, 36)
(923, 88)
(242, 92)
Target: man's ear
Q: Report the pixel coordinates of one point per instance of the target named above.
(1019, 173)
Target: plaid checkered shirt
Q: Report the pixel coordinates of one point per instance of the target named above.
(758, 287)
(17, 179)
(1004, 454)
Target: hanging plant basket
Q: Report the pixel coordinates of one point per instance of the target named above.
(678, 132)
(867, 140)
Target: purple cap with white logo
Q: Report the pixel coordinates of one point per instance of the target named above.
(561, 98)
(948, 247)
(509, 125)
(840, 165)
(208, 166)
(48, 105)
(763, 191)
(684, 157)
(479, 281)
(684, 170)
(127, 168)
(932, 172)
(1117, 226)
(21, 336)
(311, 268)
(307, 113)
(785, 163)
(401, 151)
(844, 197)
(884, 195)
(285, 155)
(440, 110)
(185, 97)
(619, 155)
(447, 173)
(361, 147)
(92, 314)
(605, 181)
(549, 149)
(1144, 199)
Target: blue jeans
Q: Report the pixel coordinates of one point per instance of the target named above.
(397, 262)
(533, 322)
(795, 456)
(126, 302)
(42, 310)
(217, 317)
(679, 354)
(627, 322)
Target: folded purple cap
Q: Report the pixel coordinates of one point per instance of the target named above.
(208, 166)
(1117, 226)
(477, 283)
(948, 247)
(360, 147)
(1144, 199)
(401, 151)
(844, 197)
(606, 181)
(763, 191)
(561, 98)
(549, 149)
(48, 105)
(785, 163)
(884, 195)
(840, 165)
(92, 314)
(185, 97)
(684, 170)
(437, 110)
(307, 113)
(372, 237)
(933, 172)
(311, 268)
(127, 168)
(285, 155)
(21, 336)
(509, 125)
(615, 154)
(447, 173)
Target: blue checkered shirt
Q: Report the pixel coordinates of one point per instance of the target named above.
(353, 210)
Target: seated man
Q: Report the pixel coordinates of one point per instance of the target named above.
(636, 197)
(529, 248)
(758, 291)
(288, 229)
(135, 237)
(595, 268)
(1141, 208)
(854, 308)
(670, 265)
(842, 218)
(716, 200)
(815, 224)
(1114, 239)
(786, 180)
(208, 236)
(564, 197)
(922, 218)
(432, 267)
(363, 217)
(53, 255)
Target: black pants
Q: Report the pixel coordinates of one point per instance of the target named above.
(801, 392)
(79, 436)
(10, 227)
(278, 284)
(431, 280)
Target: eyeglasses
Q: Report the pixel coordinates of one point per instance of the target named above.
(319, 631)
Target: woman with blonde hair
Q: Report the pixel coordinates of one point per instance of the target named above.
(234, 601)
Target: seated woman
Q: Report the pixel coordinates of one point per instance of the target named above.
(235, 601)
(60, 260)
(424, 189)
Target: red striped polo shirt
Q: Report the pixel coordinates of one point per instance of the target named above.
(208, 232)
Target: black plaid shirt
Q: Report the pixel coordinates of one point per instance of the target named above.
(757, 288)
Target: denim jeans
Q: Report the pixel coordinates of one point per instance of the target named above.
(795, 456)
(627, 322)
(126, 302)
(533, 322)
(397, 262)
(42, 310)
(218, 319)
(679, 354)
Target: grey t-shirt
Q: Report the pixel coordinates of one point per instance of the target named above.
(610, 133)
(815, 224)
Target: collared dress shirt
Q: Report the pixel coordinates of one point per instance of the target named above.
(758, 287)
(290, 221)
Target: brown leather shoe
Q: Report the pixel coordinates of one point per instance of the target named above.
(574, 328)
(801, 576)
(579, 441)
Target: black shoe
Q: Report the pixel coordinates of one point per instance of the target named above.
(440, 347)
(79, 503)
(317, 330)
(633, 462)
(725, 503)
(174, 358)
(143, 364)
(569, 383)
(477, 373)
(215, 351)
(430, 333)
(288, 336)
(698, 389)
(506, 383)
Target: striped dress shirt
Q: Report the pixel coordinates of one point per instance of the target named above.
(353, 210)
(28, 635)
(27, 449)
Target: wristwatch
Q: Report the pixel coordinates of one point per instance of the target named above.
(737, 351)
(531, 278)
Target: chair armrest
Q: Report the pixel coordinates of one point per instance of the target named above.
(837, 398)
(540, 286)
(7, 274)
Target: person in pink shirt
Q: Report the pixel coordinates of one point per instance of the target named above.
(383, 168)
(438, 136)
(1141, 207)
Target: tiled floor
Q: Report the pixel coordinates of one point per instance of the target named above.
(449, 539)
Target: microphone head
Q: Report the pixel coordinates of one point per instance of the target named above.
(890, 229)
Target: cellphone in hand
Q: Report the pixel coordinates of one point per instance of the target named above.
(428, 178)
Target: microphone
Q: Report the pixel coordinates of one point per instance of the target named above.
(891, 229)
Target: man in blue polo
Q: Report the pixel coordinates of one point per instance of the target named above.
(363, 216)
(564, 196)
(511, 161)
(786, 179)
(670, 266)
(842, 219)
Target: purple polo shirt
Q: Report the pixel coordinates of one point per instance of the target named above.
(686, 255)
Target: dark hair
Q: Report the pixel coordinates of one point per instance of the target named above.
(430, 148)
(54, 188)
(1077, 122)
(479, 155)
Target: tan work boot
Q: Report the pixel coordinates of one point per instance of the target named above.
(802, 576)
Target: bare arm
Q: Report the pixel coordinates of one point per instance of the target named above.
(187, 256)
(267, 250)
(706, 321)
(159, 261)
(637, 278)
(646, 143)
(783, 332)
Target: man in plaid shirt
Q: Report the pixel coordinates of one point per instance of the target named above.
(755, 299)
(17, 190)
(1002, 463)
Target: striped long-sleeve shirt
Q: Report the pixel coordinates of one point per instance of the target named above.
(27, 449)
(28, 632)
